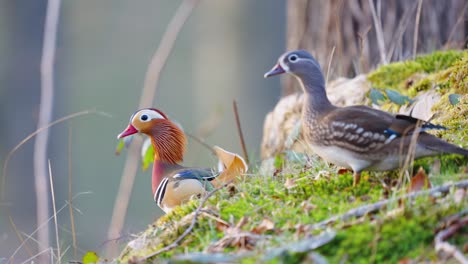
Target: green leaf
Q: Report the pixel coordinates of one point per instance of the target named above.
(397, 98)
(376, 96)
(119, 147)
(454, 99)
(147, 152)
(123, 143)
(90, 257)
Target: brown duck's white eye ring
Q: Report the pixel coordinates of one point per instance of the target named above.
(293, 58)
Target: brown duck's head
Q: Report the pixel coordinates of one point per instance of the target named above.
(298, 63)
(167, 138)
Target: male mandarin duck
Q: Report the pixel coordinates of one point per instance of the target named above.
(172, 183)
(356, 137)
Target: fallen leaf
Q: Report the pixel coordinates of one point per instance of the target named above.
(290, 183)
(231, 166)
(459, 195)
(265, 225)
(307, 206)
(419, 181)
(343, 171)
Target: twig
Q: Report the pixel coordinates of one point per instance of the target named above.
(70, 191)
(55, 212)
(363, 210)
(189, 229)
(45, 116)
(147, 96)
(379, 33)
(239, 130)
(416, 28)
(201, 142)
(441, 245)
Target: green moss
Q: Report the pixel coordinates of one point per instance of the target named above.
(391, 239)
(438, 60)
(393, 75)
(423, 73)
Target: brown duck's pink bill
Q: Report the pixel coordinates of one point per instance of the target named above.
(277, 69)
(130, 130)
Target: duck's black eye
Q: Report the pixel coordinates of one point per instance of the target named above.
(293, 58)
(144, 117)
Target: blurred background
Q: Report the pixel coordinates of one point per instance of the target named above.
(103, 50)
(102, 54)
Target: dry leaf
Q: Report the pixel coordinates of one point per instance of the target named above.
(230, 165)
(343, 171)
(459, 195)
(419, 181)
(307, 206)
(290, 183)
(265, 225)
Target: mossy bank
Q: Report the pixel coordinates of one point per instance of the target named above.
(271, 216)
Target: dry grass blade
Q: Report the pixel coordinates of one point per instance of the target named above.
(147, 96)
(329, 66)
(55, 211)
(379, 32)
(26, 139)
(416, 28)
(459, 20)
(18, 234)
(239, 130)
(40, 226)
(70, 207)
(189, 229)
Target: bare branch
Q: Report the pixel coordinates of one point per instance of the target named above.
(442, 245)
(45, 116)
(363, 210)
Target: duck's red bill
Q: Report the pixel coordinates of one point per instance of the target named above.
(130, 130)
(277, 69)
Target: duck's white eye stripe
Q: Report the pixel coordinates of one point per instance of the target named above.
(283, 65)
(147, 115)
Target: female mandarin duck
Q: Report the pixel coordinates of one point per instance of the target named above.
(173, 184)
(355, 137)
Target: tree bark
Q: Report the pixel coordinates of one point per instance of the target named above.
(348, 27)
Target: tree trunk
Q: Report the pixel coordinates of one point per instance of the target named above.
(348, 30)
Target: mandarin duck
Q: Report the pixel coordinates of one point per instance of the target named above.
(172, 183)
(355, 137)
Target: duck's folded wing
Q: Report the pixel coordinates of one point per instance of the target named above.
(196, 173)
(362, 129)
